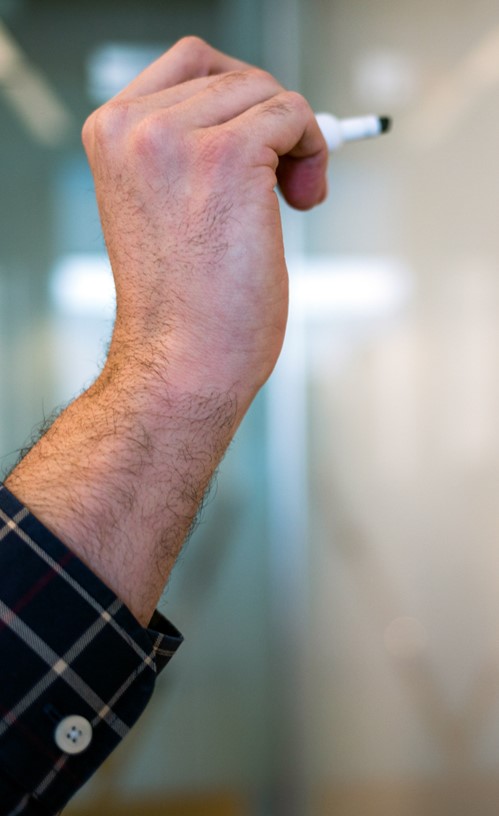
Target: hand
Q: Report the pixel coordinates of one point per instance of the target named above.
(185, 162)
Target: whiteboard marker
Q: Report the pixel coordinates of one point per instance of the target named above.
(338, 131)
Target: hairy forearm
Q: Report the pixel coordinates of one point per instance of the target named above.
(121, 474)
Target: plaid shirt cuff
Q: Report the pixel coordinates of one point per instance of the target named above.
(77, 669)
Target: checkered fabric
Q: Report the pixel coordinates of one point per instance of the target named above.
(68, 647)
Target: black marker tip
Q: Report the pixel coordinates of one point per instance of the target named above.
(386, 123)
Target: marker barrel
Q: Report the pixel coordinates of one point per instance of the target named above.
(338, 131)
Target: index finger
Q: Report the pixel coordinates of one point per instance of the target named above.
(189, 58)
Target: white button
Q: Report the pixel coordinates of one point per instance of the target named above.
(73, 734)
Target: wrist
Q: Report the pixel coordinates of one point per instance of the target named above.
(170, 371)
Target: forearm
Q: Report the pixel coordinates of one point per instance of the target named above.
(121, 474)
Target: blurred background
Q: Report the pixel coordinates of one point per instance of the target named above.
(340, 598)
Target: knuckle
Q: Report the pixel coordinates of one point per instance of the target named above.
(256, 76)
(225, 82)
(107, 123)
(193, 45)
(219, 147)
(295, 101)
(287, 103)
(87, 132)
(265, 77)
(194, 54)
(152, 134)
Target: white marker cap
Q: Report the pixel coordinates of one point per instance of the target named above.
(337, 131)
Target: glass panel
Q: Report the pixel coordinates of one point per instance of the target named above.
(402, 423)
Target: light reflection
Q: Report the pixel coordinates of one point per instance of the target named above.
(349, 286)
(112, 66)
(31, 95)
(387, 78)
(82, 285)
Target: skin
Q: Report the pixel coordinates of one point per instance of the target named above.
(185, 161)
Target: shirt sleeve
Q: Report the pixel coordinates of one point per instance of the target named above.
(77, 668)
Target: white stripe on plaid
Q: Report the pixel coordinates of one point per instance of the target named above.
(54, 773)
(123, 688)
(62, 665)
(11, 523)
(103, 714)
(20, 807)
(63, 574)
(79, 686)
